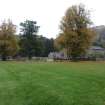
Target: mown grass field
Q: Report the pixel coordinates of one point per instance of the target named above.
(30, 83)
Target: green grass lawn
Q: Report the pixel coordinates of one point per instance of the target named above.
(30, 83)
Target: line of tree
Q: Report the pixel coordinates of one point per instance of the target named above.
(75, 37)
(27, 44)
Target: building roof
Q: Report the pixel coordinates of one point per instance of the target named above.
(96, 48)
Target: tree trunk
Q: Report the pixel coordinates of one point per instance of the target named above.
(4, 58)
(29, 57)
(68, 54)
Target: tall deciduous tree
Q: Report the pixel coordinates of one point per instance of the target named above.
(76, 35)
(8, 44)
(28, 39)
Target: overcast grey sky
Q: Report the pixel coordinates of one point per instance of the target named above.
(48, 13)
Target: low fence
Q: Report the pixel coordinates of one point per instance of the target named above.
(46, 59)
(80, 59)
